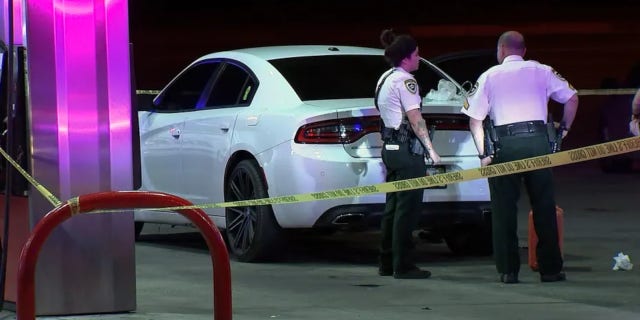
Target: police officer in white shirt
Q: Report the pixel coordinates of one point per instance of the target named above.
(514, 94)
(399, 102)
(634, 125)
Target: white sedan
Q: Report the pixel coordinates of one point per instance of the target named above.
(276, 121)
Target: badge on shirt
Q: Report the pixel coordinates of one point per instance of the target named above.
(411, 85)
(465, 104)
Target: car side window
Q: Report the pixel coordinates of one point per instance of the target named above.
(185, 91)
(234, 86)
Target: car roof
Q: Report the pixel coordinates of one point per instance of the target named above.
(290, 51)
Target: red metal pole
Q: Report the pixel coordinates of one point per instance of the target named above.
(25, 304)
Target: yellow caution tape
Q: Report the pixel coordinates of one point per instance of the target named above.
(74, 205)
(584, 92)
(48, 195)
(606, 92)
(553, 160)
(546, 161)
(147, 91)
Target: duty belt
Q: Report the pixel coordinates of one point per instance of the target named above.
(524, 127)
(394, 136)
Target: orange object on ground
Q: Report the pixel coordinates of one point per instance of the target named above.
(533, 238)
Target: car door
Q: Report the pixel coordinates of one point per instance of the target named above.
(161, 130)
(208, 133)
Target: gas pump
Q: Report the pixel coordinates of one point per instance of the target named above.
(65, 118)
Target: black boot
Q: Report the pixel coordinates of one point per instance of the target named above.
(385, 264)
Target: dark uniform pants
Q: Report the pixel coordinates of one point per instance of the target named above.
(402, 209)
(505, 192)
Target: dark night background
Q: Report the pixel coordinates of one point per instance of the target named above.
(586, 42)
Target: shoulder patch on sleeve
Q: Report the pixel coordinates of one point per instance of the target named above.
(411, 85)
(558, 75)
(562, 79)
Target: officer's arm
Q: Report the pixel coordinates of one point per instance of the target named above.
(635, 106)
(419, 127)
(475, 126)
(570, 109)
(477, 132)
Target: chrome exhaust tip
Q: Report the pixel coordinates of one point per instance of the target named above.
(348, 219)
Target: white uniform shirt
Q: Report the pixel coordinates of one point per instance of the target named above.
(516, 91)
(398, 94)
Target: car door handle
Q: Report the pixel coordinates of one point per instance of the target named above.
(175, 133)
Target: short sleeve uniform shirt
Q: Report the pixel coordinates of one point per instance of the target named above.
(516, 90)
(398, 94)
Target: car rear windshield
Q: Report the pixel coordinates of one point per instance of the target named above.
(332, 77)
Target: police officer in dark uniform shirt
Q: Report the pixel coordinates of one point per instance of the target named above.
(399, 103)
(515, 94)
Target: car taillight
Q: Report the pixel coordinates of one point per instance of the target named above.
(337, 131)
(351, 129)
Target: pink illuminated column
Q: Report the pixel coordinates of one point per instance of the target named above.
(17, 22)
(81, 142)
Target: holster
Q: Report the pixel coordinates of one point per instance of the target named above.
(491, 140)
(417, 148)
(386, 134)
(405, 134)
(555, 134)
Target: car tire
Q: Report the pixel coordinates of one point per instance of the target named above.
(138, 229)
(469, 240)
(252, 233)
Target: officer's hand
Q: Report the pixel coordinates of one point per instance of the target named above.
(434, 156)
(486, 161)
(558, 126)
(634, 127)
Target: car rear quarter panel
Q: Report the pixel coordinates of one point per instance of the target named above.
(299, 169)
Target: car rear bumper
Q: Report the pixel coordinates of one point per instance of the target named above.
(436, 215)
